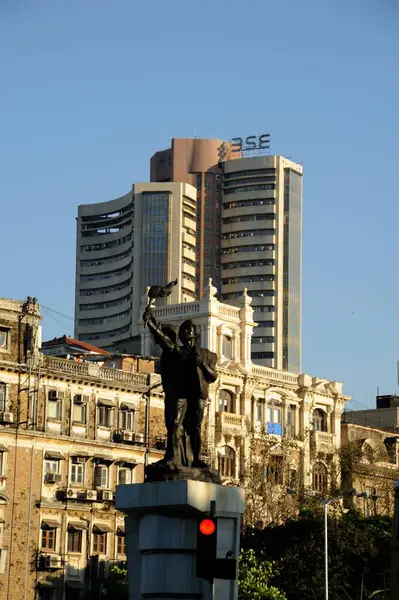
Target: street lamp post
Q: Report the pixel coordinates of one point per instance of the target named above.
(325, 509)
(326, 504)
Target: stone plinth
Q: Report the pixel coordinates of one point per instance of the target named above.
(161, 537)
(160, 471)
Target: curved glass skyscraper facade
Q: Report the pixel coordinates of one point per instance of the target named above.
(146, 237)
(104, 270)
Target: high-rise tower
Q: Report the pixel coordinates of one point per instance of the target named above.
(261, 250)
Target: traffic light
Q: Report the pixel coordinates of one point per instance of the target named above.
(206, 547)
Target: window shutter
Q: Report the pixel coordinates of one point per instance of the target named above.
(2, 396)
(97, 476)
(111, 417)
(132, 419)
(104, 477)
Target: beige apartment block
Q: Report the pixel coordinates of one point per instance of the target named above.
(70, 432)
(261, 250)
(146, 237)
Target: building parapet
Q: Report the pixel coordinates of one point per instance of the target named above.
(229, 311)
(62, 365)
(280, 376)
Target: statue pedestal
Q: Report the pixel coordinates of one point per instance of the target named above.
(161, 537)
(161, 472)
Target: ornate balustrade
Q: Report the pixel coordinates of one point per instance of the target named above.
(87, 369)
(321, 441)
(260, 371)
(230, 423)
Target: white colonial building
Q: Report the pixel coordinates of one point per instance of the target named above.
(250, 401)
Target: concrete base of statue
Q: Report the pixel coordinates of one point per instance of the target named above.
(160, 471)
(161, 537)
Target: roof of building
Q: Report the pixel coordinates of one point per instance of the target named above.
(68, 341)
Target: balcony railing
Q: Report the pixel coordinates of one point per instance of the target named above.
(230, 423)
(134, 379)
(63, 365)
(321, 440)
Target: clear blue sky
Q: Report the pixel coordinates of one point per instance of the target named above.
(89, 89)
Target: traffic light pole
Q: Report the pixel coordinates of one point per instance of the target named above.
(162, 523)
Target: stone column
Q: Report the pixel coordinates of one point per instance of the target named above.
(306, 407)
(161, 537)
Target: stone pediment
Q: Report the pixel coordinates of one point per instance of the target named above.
(229, 365)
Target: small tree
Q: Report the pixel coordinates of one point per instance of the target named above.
(254, 578)
(359, 555)
(116, 582)
(270, 470)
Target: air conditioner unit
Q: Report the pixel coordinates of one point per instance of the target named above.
(139, 437)
(127, 436)
(71, 493)
(79, 460)
(7, 417)
(91, 495)
(53, 561)
(54, 394)
(80, 399)
(52, 478)
(105, 495)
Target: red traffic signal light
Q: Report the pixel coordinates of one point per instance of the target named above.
(207, 526)
(206, 547)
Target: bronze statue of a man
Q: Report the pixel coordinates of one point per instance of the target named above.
(186, 372)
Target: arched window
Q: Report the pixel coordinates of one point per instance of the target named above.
(227, 461)
(319, 478)
(227, 347)
(319, 420)
(226, 401)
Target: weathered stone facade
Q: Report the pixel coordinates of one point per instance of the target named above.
(69, 433)
(370, 464)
